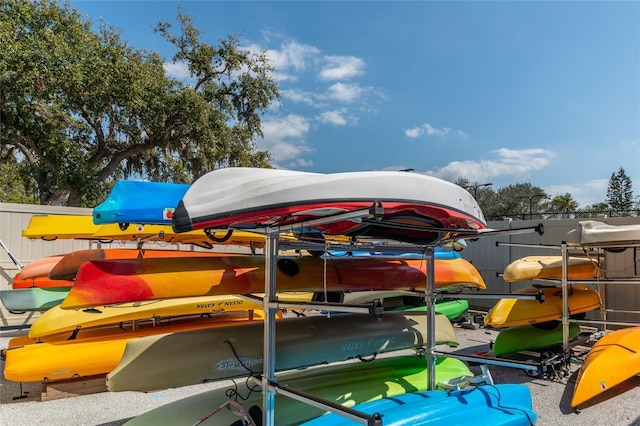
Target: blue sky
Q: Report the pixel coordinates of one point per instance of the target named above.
(504, 92)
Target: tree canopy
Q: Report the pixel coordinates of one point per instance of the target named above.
(81, 109)
(619, 191)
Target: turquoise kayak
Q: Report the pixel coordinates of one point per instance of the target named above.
(345, 384)
(528, 337)
(149, 203)
(491, 405)
(33, 298)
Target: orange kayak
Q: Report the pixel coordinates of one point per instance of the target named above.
(109, 282)
(612, 360)
(39, 267)
(511, 312)
(40, 282)
(67, 267)
(36, 274)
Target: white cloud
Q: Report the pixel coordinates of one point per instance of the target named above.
(334, 117)
(301, 96)
(284, 138)
(586, 193)
(291, 58)
(341, 67)
(510, 162)
(429, 130)
(177, 70)
(344, 92)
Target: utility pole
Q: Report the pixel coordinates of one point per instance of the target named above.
(475, 188)
(531, 197)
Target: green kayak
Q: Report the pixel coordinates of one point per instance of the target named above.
(33, 298)
(528, 337)
(346, 384)
(452, 309)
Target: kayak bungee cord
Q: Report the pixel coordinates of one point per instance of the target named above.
(525, 412)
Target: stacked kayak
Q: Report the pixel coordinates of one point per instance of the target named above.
(58, 320)
(201, 356)
(401, 206)
(139, 202)
(540, 267)
(92, 351)
(346, 384)
(33, 299)
(107, 282)
(594, 233)
(528, 337)
(491, 405)
(512, 312)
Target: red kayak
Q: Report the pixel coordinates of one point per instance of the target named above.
(106, 282)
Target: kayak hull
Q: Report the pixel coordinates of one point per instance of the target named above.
(528, 337)
(67, 267)
(207, 355)
(504, 404)
(238, 197)
(346, 384)
(107, 282)
(594, 233)
(550, 267)
(57, 320)
(140, 202)
(92, 351)
(509, 312)
(612, 360)
(33, 299)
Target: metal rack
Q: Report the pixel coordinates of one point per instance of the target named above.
(268, 381)
(565, 283)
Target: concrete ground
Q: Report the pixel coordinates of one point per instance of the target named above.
(21, 405)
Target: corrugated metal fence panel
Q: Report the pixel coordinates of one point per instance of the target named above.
(13, 219)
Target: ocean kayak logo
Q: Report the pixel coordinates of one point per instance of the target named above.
(167, 213)
(367, 345)
(237, 364)
(223, 304)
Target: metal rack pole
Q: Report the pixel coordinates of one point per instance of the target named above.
(431, 319)
(269, 349)
(565, 296)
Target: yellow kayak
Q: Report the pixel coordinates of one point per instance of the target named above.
(63, 227)
(53, 227)
(93, 351)
(58, 320)
(537, 267)
(612, 360)
(511, 312)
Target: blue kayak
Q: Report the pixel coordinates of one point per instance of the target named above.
(439, 253)
(147, 203)
(491, 405)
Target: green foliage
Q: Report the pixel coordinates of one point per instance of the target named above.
(82, 109)
(15, 185)
(513, 201)
(620, 192)
(562, 206)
